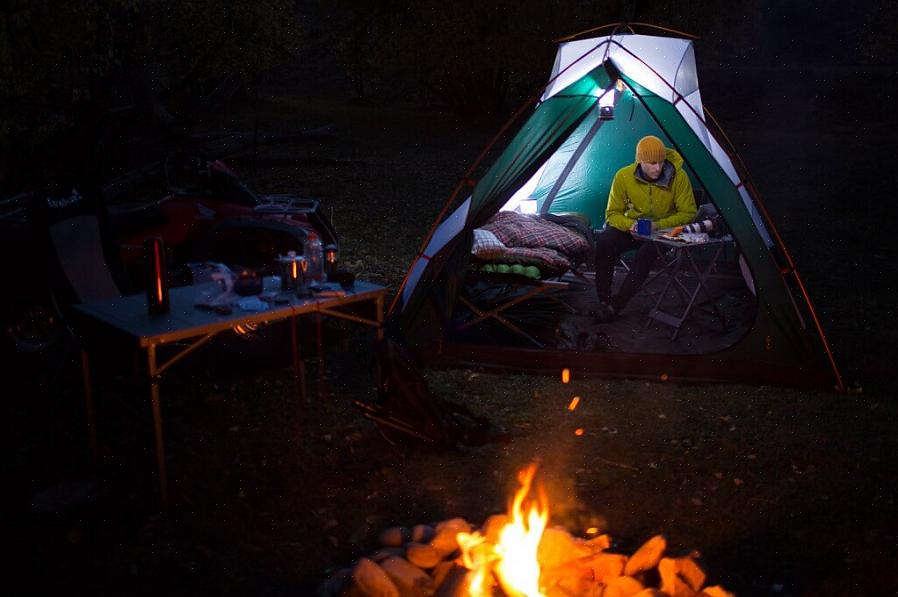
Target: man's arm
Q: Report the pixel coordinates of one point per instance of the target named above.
(617, 204)
(684, 203)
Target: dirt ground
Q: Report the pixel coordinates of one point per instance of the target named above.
(783, 492)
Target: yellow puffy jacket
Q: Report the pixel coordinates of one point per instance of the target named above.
(668, 201)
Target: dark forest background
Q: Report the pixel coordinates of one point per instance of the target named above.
(91, 88)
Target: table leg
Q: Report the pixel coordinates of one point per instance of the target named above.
(299, 368)
(320, 342)
(380, 317)
(89, 408)
(157, 425)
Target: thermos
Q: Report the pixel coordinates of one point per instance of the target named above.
(156, 280)
(293, 270)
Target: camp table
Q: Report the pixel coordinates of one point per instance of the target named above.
(679, 261)
(192, 327)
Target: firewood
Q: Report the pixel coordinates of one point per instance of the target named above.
(422, 556)
(410, 580)
(622, 586)
(372, 581)
(647, 556)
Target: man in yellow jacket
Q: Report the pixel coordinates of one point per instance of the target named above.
(654, 187)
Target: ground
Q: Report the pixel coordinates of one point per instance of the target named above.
(782, 491)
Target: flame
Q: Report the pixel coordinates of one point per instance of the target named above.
(565, 375)
(574, 402)
(513, 559)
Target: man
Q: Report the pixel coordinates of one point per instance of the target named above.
(654, 187)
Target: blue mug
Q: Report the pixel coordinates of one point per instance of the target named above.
(644, 227)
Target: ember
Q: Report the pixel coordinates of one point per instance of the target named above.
(516, 555)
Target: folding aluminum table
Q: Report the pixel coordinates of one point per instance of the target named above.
(192, 327)
(678, 263)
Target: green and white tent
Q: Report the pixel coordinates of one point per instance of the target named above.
(562, 159)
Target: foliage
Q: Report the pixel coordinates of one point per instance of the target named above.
(478, 57)
(70, 68)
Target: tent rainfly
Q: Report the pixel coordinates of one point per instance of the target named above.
(563, 159)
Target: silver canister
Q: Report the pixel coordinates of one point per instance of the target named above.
(293, 271)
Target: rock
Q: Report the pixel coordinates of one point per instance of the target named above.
(455, 583)
(557, 546)
(422, 556)
(492, 526)
(385, 553)
(606, 566)
(410, 580)
(572, 578)
(422, 533)
(647, 556)
(680, 577)
(394, 536)
(336, 584)
(372, 581)
(459, 524)
(441, 571)
(622, 586)
(445, 541)
(715, 591)
(599, 542)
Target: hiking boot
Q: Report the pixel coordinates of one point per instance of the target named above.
(604, 312)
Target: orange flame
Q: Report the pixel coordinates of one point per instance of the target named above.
(513, 559)
(565, 375)
(574, 403)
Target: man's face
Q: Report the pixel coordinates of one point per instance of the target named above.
(651, 170)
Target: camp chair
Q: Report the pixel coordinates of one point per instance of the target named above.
(75, 247)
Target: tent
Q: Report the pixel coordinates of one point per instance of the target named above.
(562, 159)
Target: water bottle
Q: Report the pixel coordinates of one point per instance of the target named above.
(314, 253)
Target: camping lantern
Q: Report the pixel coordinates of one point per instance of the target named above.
(606, 104)
(331, 253)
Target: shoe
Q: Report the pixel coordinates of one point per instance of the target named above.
(604, 312)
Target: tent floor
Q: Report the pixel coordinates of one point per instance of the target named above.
(563, 319)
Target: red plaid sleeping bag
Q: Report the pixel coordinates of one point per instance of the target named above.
(531, 240)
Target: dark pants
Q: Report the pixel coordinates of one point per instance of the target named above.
(610, 243)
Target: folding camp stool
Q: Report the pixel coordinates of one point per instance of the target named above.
(681, 262)
(531, 289)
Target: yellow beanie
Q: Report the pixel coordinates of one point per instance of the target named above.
(650, 149)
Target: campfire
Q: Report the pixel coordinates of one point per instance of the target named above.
(516, 555)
